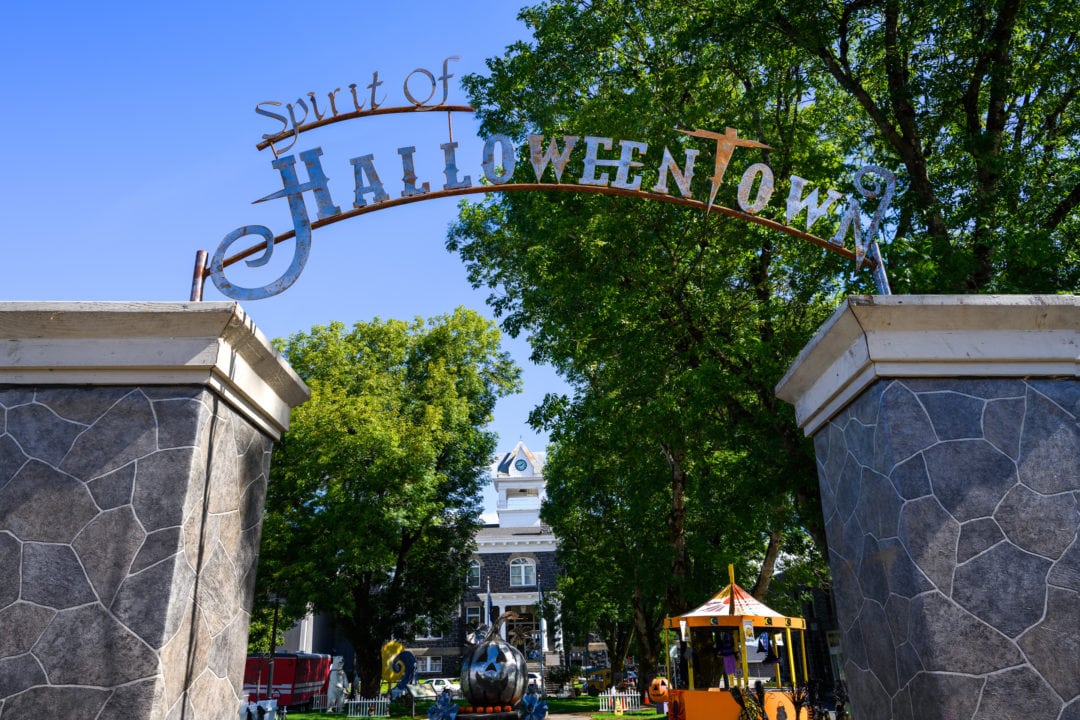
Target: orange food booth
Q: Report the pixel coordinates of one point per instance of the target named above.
(715, 641)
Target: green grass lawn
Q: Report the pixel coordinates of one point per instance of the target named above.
(556, 706)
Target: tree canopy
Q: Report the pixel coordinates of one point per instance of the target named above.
(672, 328)
(977, 103)
(375, 491)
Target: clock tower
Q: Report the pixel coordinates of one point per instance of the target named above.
(519, 483)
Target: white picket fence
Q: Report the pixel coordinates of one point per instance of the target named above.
(361, 707)
(368, 707)
(626, 701)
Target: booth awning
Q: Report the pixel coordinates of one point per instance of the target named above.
(718, 611)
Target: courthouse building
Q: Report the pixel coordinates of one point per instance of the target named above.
(513, 565)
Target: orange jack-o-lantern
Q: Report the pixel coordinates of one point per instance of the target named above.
(659, 690)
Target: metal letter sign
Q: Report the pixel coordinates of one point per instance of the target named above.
(301, 224)
(620, 159)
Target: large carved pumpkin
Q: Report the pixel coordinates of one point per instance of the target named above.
(659, 690)
(494, 673)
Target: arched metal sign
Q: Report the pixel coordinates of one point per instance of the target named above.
(604, 172)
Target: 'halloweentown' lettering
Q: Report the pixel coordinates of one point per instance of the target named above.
(541, 157)
(631, 154)
(317, 183)
(765, 188)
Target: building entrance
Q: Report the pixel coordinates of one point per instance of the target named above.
(524, 632)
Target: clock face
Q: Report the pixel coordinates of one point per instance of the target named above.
(521, 464)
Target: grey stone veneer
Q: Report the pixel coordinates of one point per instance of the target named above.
(951, 509)
(496, 568)
(129, 529)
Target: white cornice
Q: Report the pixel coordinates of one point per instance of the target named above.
(522, 597)
(526, 543)
(878, 336)
(214, 344)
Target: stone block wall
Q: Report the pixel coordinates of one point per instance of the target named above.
(951, 509)
(496, 566)
(129, 530)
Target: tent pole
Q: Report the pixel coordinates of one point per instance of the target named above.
(779, 678)
(791, 658)
(667, 657)
(802, 644)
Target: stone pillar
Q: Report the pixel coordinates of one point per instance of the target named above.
(135, 443)
(947, 434)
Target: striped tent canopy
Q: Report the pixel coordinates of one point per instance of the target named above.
(718, 611)
(745, 604)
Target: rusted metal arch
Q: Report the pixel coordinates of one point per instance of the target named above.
(301, 129)
(202, 272)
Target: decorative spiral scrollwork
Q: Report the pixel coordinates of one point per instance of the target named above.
(238, 292)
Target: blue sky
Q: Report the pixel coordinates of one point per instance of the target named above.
(130, 132)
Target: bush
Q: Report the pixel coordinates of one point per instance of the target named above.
(561, 675)
(556, 674)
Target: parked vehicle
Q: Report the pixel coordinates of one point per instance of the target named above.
(298, 677)
(441, 684)
(599, 680)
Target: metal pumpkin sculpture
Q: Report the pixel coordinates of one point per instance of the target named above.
(494, 672)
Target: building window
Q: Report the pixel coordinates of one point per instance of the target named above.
(429, 664)
(473, 578)
(472, 616)
(522, 573)
(425, 629)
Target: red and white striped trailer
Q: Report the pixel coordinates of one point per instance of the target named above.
(298, 677)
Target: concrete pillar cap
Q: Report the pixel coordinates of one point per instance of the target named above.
(878, 336)
(214, 344)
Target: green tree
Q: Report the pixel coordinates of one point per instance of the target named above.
(374, 494)
(611, 566)
(975, 101)
(673, 328)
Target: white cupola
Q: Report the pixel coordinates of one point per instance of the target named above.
(519, 483)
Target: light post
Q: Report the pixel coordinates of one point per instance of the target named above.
(273, 646)
(542, 630)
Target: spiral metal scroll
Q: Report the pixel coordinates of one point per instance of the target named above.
(885, 186)
(404, 663)
(300, 255)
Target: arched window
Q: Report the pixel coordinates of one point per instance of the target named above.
(522, 572)
(473, 577)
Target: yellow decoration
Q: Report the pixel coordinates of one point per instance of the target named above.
(390, 651)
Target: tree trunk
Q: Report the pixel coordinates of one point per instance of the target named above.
(649, 646)
(617, 638)
(768, 565)
(676, 522)
(369, 666)
(366, 642)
